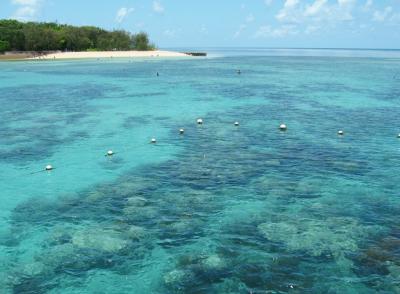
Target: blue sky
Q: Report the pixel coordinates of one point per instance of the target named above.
(239, 23)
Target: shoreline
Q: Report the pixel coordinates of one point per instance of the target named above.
(91, 55)
(108, 54)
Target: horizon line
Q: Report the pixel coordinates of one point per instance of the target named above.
(285, 48)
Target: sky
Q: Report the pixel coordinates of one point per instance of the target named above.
(229, 23)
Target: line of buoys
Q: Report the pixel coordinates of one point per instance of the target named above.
(282, 127)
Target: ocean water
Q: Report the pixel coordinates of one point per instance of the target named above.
(220, 209)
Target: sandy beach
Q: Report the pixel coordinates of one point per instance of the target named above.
(110, 54)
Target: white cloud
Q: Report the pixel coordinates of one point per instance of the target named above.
(309, 17)
(291, 3)
(315, 8)
(311, 29)
(122, 13)
(25, 13)
(381, 16)
(344, 10)
(368, 4)
(268, 2)
(25, 2)
(26, 10)
(263, 31)
(239, 31)
(280, 32)
(329, 12)
(324, 11)
(346, 2)
(250, 18)
(395, 19)
(170, 33)
(289, 12)
(157, 7)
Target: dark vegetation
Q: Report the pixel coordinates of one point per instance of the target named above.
(40, 36)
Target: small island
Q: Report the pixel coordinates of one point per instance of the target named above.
(49, 40)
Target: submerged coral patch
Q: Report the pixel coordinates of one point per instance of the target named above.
(218, 209)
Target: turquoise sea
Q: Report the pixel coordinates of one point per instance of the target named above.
(219, 209)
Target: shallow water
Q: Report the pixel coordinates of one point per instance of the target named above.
(220, 209)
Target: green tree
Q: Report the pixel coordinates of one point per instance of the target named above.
(33, 37)
(11, 31)
(38, 36)
(141, 42)
(121, 40)
(4, 46)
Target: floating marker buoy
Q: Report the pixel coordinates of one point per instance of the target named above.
(110, 153)
(340, 133)
(283, 127)
(199, 121)
(153, 141)
(398, 136)
(239, 72)
(236, 123)
(181, 131)
(49, 167)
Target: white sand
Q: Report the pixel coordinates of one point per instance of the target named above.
(111, 54)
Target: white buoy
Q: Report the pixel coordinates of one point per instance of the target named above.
(181, 131)
(236, 123)
(199, 121)
(49, 167)
(398, 136)
(283, 127)
(153, 141)
(110, 153)
(340, 133)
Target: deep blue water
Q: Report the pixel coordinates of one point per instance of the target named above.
(220, 209)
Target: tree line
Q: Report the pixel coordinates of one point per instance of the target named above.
(49, 36)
